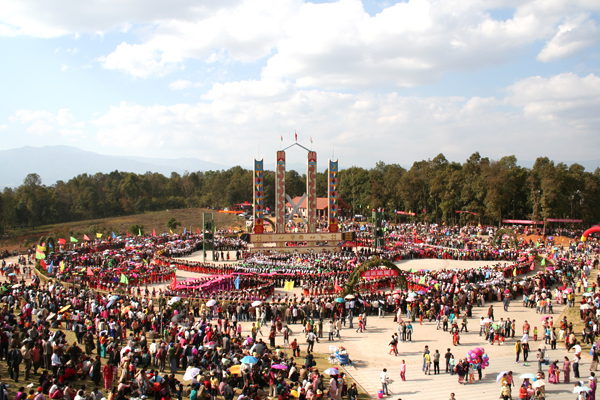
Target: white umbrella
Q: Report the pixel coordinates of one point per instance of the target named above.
(211, 303)
(539, 383)
(256, 303)
(579, 389)
(190, 374)
(349, 297)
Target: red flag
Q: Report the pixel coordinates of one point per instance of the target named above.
(174, 283)
(337, 287)
(43, 264)
(85, 237)
(127, 233)
(455, 280)
(296, 135)
(153, 232)
(90, 272)
(532, 266)
(198, 231)
(62, 241)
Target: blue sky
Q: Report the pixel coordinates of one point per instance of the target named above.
(389, 81)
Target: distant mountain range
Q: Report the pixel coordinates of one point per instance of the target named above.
(54, 163)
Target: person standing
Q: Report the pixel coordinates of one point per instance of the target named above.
(436, 362)
(403, 371)
(427, 358)
(425, 353)
(567, 369)
(447, 357)
(15, 357)
(576, 359)
(384, 378)
(517, 350)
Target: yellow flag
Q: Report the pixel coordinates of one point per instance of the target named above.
(62, 266)
(515, 272)
(171, 230)
(98, 235)
(288, 286)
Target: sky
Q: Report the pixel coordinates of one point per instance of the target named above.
(366, 81)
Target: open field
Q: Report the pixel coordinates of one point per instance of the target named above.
(190, 218)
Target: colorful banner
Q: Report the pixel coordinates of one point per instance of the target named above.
(465, 212)
(522, 222)
(574, 221)
(258, 191)
(412, 214)
(311, 191)
(280, 193)
(379, 273)
(332, 194)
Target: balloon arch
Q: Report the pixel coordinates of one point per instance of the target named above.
(375, 262)
(593, 229)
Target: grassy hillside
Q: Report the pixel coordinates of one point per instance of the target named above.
(191, 218)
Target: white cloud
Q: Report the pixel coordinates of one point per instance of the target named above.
(552, 117)
(48, 19)
(138, 60)
(2, 127)
(569, 100)
(328, 45)
(573, 36)
(42, 123)
(180, 84)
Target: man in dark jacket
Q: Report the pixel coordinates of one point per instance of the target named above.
(15, 357)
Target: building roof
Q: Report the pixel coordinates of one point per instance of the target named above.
(322, 203)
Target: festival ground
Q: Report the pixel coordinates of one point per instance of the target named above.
(369, 350)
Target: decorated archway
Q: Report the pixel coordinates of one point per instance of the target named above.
(373, 263)
(593, 229)
(514, 241)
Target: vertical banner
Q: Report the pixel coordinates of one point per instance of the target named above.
(311, 192)
(332, 195)
(258, 197)
(280, 193)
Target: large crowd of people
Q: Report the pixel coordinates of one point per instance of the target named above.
(100, 317)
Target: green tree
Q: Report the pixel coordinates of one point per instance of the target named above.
(172, 224)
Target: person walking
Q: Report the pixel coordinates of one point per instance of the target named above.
(567, 370)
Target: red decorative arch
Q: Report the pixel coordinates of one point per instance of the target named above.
(589, 231)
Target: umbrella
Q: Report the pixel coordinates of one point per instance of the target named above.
(211, 344)
(12, 274)
(349, 297)
(585, 294)
(125, 350)
(249, 360)
(546, 317)
(340, 300)
(254, 303)
(411, 299)
(421, 292)
(500, 375)
(191, 373)
(486, 320)
(332, 371)
(50, 316)
(279, 366)
(235, 369)
(586, 307)
(539, 383)
(110, 303)
(114, 298)
(412, 294)
(19, 285)
(211, 303)
(580, 389)
(527, 376)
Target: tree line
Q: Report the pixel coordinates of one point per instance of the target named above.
(433, 189)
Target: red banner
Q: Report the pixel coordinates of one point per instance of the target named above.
(575, 221)
(379, 273)
(522, 222)
(412, 214)
(465, 212)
